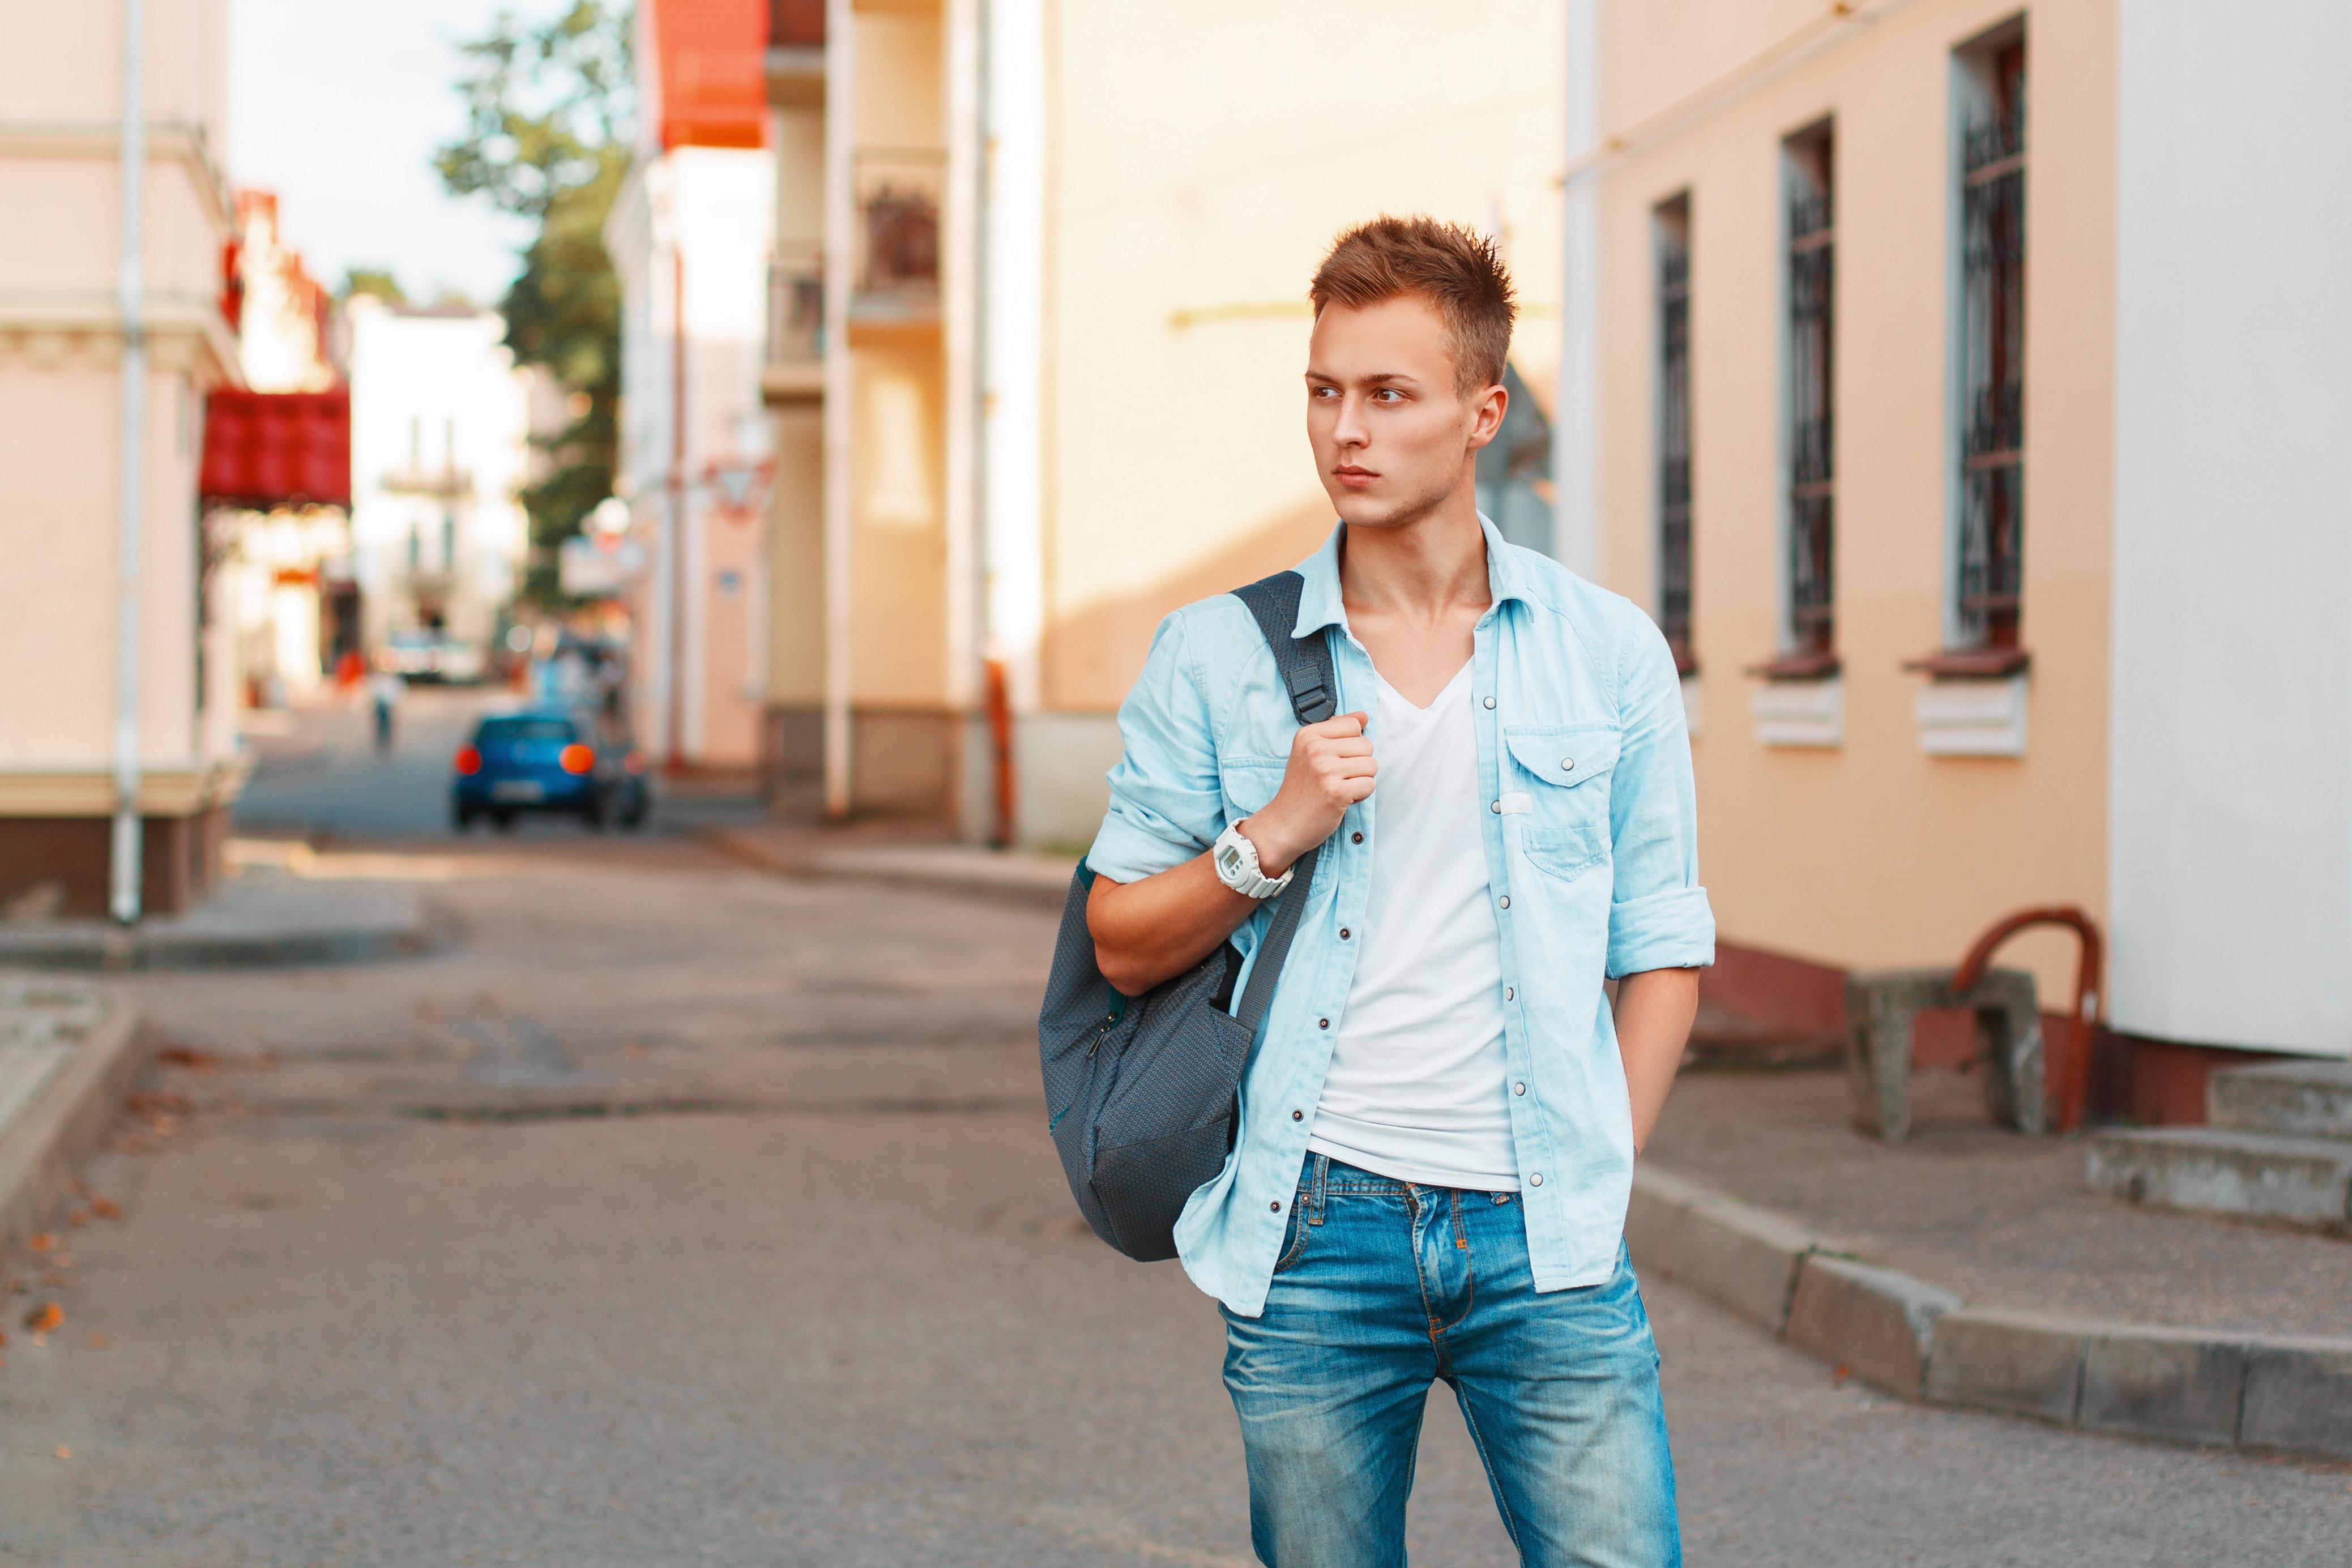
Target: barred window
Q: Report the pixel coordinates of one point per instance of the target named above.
(1810, 567)
(1671, 228)
(1987, 577)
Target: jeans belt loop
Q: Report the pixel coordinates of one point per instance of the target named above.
(1322, 1178)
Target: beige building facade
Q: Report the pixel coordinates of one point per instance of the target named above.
(91, 371)
(1053, 392)
(1859, 290)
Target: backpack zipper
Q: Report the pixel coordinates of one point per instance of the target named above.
(1096, 1044)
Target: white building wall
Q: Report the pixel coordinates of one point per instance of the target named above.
(433, 388)
(2231, 785)
(704, 215)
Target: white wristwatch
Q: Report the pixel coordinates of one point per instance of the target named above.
(1237, 860)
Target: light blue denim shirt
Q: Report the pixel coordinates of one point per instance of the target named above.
(1591, 839)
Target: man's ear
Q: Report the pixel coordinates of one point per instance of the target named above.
(1490, 404)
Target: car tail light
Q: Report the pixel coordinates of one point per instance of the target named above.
(469, 761)
(634, 762)
(576, 759)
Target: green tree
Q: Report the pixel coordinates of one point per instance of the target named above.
(549, 108)
(373, 280)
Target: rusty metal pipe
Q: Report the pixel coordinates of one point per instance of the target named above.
(2090, 1002)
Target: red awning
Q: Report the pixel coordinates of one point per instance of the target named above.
(275, 449)
(714, 85)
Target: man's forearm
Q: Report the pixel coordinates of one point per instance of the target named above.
(1655, 1009)
(1153, 930)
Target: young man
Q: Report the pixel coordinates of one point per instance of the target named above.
(1440, 1119)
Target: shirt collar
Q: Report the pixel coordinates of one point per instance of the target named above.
(1318, 600)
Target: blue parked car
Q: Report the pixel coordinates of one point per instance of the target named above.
(547, 760)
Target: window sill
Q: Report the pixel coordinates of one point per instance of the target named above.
(1798, 667)
(1970, 664)
(1974, 716)
(1803, 713)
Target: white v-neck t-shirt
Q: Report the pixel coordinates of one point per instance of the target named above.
(1416, 1088)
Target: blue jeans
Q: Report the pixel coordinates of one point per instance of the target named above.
(1385, 1287)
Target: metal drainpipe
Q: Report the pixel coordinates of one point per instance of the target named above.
(124, 870)
(675, 763)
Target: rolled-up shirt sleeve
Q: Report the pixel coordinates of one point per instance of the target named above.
(1166, 805)
(1658, 915)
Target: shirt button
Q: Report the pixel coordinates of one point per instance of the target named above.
(1509, 992)
(1322, 1023)
(1496, 806)
(1519, 1087)
(1298, 1115)
(1535, 1180)
(1276, 1206)
(1356, 838)
(1568, 765)
(1343, 934)
(1506, 900)
(1490, 702)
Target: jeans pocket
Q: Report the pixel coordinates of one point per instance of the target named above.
(1294, 1240)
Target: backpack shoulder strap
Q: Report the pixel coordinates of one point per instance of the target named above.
(1305, 663)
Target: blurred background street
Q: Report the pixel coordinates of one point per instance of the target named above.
(687, 1212)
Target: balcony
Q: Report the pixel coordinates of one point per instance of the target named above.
(446, 483)
(794, 370)
(794, 60)
(795, 23)
(897, 192)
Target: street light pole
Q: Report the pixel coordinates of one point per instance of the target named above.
(124, 868)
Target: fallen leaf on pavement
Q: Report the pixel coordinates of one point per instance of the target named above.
(42, 1241)
(45, 1317)
(78, 1219)
(100, 1342)
(63, 1452)
(105, 1208)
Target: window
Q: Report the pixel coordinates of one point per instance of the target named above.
(1811, 568)
(1670, 227)
(1987, 579)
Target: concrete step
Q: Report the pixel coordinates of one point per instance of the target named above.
(2301, 1099)
(2224, 1170)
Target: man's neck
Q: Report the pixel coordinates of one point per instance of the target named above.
(1418, 571)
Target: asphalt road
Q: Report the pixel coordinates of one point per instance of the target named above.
(682, 1214)
(319, 775)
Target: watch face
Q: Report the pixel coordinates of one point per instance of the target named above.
(1229, 860)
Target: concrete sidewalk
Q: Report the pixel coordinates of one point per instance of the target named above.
(71, 1050)
(1971, 1265)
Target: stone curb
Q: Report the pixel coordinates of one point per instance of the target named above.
(2275, 1393)
(68, 1120)
(1033, 882)
(99, 947)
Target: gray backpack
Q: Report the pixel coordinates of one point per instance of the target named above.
(1144, 1091)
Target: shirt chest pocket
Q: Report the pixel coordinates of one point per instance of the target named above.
(1555, 786)
(1250, 782)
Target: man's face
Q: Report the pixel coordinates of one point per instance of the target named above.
(1393, 436)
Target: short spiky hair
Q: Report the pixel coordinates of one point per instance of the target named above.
(1454, 268)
